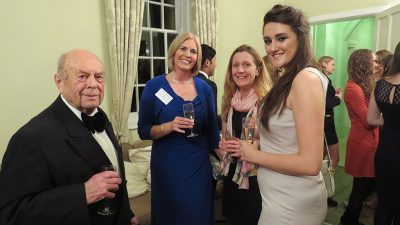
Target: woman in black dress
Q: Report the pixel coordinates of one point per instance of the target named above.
(333, 98)
(384, 109)
(246, 82)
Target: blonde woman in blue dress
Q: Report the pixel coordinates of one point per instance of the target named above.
(291, 126)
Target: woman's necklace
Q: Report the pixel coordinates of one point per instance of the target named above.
(189, 81)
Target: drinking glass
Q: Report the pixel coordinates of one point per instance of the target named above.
(248, 129)
(229, 136)
(107, 210)
(188, 112)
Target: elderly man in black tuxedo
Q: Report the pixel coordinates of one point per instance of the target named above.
(52, 168)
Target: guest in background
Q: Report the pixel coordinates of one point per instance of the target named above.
(207, 69)
(384, 109)
(381, 64)
(208, 64)
(291, 119)
(363, 138)
(333, 98)
(246, 82)
(381, 69)
(52, 169)
(181, 192)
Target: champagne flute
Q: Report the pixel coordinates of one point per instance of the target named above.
(107, 210)
(248, 129)
(229, 136)
(188, 112)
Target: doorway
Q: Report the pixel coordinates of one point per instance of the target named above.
(339, 40)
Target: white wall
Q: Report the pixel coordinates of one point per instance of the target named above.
(240, 23)
(33, 35)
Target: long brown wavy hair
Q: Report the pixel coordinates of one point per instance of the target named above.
(262, 83)
(276, 99)
(359, 68)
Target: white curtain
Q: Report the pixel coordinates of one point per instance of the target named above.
(207, 21)
(124, 21)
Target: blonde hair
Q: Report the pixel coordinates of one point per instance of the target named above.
(261, 85)
(322, 60)
(176, 43)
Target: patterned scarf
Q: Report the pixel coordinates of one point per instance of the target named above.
(243, 169)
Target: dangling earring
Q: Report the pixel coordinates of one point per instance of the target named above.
(280, 71)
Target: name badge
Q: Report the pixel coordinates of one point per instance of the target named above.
(163, 96)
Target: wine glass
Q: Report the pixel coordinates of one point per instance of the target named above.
(107, 210)
(188, 112)
(248, 129)
(229, 136)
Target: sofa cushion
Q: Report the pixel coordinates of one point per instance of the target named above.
(141, 158)
(140, 155)
(136, 176)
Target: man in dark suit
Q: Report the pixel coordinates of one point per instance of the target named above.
(208, 64)
(52, 169)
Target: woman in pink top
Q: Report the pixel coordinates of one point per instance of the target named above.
(363, 138)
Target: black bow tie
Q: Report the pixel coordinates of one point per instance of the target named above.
(94, 123)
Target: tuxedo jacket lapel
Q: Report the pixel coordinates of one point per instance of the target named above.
(80, 138)
(90, 151)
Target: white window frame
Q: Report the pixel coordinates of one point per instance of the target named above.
(182, 17)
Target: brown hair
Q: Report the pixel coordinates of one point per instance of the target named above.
(384, 57)
(262, 83)
(272, 71)
(360, 70)
(382, 54)
(304, 57)
(395, 64)
(176, 43)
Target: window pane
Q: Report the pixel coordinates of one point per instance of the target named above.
(159, 66)
(158, 44)
(145, 24)
(155, 16)
(135, 104)
(155, 0)
(169, 18)
(170, 38)
(172, 2)
(143, 71)
(144, 49)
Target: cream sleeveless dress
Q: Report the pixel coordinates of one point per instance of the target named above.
(287, 199)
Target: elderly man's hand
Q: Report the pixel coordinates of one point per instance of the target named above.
(102, 185)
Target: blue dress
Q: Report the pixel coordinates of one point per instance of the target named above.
(181, 173)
